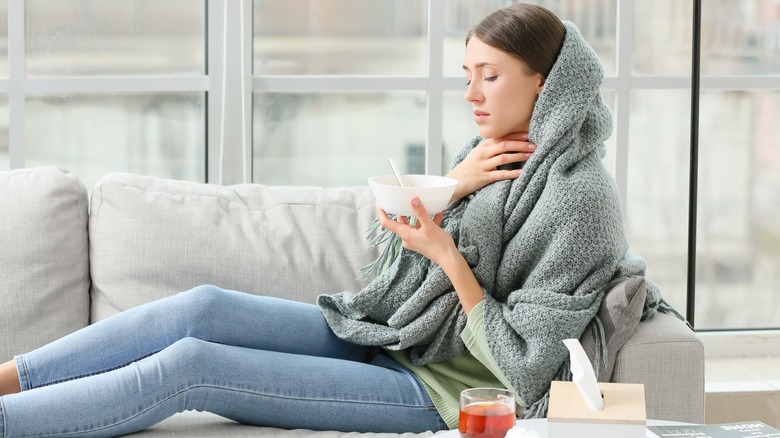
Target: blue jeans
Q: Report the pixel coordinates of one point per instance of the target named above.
(255, 360)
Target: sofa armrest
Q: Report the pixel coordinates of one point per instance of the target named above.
(668, 358)
(44, 258)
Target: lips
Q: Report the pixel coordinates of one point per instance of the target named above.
(480, 116)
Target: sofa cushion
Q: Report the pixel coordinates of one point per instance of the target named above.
(194, 424)
(43, 258)
(152, 237)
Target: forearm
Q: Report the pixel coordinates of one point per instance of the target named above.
(462, 278)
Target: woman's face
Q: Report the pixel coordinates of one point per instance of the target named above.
(501, 90)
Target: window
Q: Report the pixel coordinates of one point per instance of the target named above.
(147, 133)
(738, 235)
(5, 156)
(736, 250)
(311, 138)
(338, 86)
(98, 87)
(323, 91)
(5, 153)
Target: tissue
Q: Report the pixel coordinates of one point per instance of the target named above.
(519, 432)
(583, 375)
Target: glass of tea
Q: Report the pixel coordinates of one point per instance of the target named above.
(486, 412)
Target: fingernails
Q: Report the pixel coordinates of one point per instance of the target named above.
(531, 146)
(415, 201)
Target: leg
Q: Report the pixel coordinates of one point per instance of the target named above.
(206, 313)
(251, 386)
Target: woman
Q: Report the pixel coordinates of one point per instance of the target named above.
(481, 297)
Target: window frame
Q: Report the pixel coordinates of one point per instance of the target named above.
(18, 86)
(229, 86)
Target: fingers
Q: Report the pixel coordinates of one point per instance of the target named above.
(386, 222)
(423, 218)
(419, 211)
(506, 145)
(506, 150)
(379, 212)
(402, 222)
(438, 218)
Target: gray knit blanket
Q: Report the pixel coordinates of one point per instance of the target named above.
(544, 247)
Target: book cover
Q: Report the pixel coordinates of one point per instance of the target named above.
(751, 429)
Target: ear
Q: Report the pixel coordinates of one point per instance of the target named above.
(540, 83)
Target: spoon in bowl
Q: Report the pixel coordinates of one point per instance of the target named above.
(397, 174)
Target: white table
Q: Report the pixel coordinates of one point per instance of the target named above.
(540, 426)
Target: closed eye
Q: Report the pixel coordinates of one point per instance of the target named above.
(486, 78)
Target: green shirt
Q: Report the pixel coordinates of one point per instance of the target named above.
(445, 380)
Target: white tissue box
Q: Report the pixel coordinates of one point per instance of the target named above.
(623, 416)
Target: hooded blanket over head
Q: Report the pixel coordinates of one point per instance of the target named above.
(544, 247)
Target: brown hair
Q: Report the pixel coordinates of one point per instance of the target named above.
(530, 33)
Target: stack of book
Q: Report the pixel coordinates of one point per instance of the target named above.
(752, 429)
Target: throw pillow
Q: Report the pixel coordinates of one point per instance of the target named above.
(619, 313)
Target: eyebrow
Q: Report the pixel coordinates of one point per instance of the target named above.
(478, 65)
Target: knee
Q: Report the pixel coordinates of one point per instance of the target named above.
(202, 292)
(201, 298)
(197, 309)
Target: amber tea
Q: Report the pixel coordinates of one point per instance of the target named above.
(486, 413)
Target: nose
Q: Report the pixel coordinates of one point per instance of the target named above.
(473, 93)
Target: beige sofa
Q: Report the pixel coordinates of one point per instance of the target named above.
(66, 262)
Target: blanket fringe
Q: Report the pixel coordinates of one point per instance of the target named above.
(601, 356)
(377, 236)
(539, 408)
(665, 307)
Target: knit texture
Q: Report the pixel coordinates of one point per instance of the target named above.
(544, 247)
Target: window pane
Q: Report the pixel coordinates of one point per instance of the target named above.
(335, 139)
(662, 37)
(609, 98)
(457, 125)
(596, 20)
(738, 246)
(97, 37)
(657, 193)
(5, 157)
(740, 37)
(4, 38)
(159, 135)
(340, 37)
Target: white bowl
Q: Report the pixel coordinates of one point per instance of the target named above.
(434, 191)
